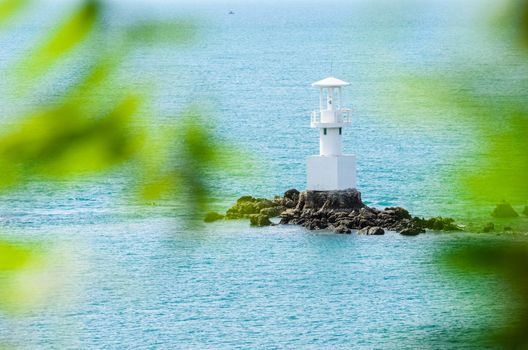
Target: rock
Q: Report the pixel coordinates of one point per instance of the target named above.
(504, 210)
(288, 216)
(353, 213)
(346, 223)
(249, 208)
(489, 227)
(398, 213)
(372, 231)
(327, 200)
(292, 194)
(377, 231)
(364, 223)
(316, 225)
(277, 200)
(525, 211)
(244, 207)
(289, 213)
(244, 199)
(288, 203)
(273, 211)
(247, 205)
(213, 216)
(264, 203)
(290, 198)
(367, 213)
(231, 215)
(364, 231)
(340, 211)
(342, 229)
(412, 231)
(437, 224)
(259, 220)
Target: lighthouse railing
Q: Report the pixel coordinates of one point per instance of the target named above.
(343, 115)
(315, 117)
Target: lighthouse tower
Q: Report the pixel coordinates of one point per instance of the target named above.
(331, 169)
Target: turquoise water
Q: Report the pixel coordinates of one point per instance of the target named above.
(139, 285)
(134, 277)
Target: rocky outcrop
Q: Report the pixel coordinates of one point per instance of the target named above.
(339, 216)
(372, 231)
(339, 211)
(247, 205)
(291, 198)
(438, 224)
(272, 212)
(259, 220)
(504, 210)
(325, 200)
(412, 231)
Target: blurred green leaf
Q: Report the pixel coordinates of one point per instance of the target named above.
(13, 256)
(508, 262)
(68, 35)
(161, 32)
(504, 173)
(34, 275)
(94, 83)
(64, 142)
(16, 258)
(515, 20)
(8, 8)
(187, 165)
(499, 131)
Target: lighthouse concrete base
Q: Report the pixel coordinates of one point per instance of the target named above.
(331, 173)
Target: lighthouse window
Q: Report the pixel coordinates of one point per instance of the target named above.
(339, 131)
(324, 131)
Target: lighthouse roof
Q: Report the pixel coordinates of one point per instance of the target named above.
(330, 82)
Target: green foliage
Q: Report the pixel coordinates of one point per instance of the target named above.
(501, 172)
(14, 256)
(62, 142)
(66, 37)
(88, 129)
(499, 127)
(8, 8)
(514, 22)
(508, 262)
(185, 166)
(496, 118)
(169, 32)
(21, 266)
(504, 162)
(97, 123)
(247, 206)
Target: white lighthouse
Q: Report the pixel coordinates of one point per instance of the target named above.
(331, 169)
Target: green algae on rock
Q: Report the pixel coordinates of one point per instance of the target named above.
(213, 216)
(259, 220)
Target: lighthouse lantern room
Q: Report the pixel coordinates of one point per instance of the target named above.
(331, 169)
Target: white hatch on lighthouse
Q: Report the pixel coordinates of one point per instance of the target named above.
(331, 169)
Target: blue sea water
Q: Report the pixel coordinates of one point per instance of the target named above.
(135, 277)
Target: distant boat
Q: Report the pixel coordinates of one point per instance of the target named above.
(231, 12)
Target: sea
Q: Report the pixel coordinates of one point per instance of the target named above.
(121, 275)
